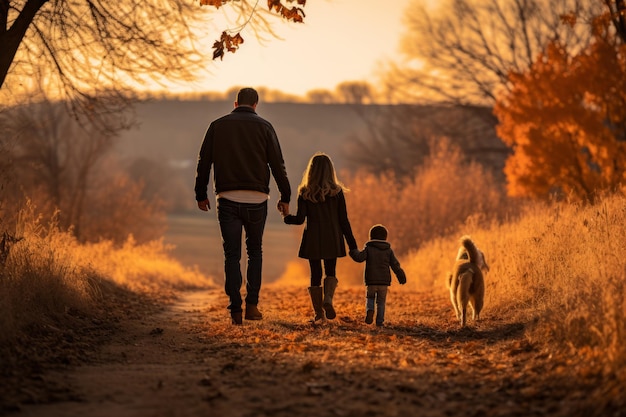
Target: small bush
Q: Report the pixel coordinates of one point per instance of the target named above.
(442, 194)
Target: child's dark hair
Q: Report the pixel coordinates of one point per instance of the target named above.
(378, 232)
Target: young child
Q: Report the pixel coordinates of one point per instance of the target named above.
(322, 203)
(378, 257)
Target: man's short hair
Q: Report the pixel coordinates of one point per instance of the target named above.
(247, 97)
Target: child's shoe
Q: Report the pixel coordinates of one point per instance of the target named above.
(369, 317)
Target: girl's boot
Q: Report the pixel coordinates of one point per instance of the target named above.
(316, 301)
(330, 284)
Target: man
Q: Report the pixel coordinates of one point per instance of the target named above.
(243, 148)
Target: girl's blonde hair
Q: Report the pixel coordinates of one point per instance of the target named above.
(319, 179)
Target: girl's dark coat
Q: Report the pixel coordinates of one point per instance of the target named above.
(326, 226)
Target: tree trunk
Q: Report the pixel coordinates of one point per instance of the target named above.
(11, 38)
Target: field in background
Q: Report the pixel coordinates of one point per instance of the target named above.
(197, 243)
(170, 134)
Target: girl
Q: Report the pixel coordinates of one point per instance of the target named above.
(322, 203)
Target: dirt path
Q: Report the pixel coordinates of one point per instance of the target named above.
(150, 367)
(189, 361)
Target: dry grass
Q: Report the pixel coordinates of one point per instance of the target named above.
(49, 273)
(419, 363)
(561, 266)
(558, 269)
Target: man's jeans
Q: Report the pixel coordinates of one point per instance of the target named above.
(232, 217)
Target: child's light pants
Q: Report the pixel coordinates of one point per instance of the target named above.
(377, 294)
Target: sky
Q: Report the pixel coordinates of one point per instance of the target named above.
(340, 40)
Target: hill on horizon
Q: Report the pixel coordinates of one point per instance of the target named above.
(169, 133)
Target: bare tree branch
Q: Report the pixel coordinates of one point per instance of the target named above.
(465, 49)
(84, 49)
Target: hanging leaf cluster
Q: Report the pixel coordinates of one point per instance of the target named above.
(226, 43)
(295, 14)
(230, 43)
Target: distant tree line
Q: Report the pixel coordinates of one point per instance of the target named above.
(70, 173)
(347, 92)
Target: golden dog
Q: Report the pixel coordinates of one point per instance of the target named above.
(466, 282)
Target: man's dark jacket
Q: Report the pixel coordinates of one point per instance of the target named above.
(243, 148)
(379, 257)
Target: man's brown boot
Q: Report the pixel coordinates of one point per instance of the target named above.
(236, 317)
(253, 313)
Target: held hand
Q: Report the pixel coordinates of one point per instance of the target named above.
(283, 208)
(353, 253)
(204, 205)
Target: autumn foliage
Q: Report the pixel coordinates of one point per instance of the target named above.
(565, 119)
(230, 42)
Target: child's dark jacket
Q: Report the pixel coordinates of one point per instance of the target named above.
(379, 258)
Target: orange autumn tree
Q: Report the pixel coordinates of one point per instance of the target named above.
(565, 119)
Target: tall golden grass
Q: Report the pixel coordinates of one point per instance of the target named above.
(48, 273)
(560, 266)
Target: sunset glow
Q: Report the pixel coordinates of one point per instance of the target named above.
(340, 40)
(460, 256)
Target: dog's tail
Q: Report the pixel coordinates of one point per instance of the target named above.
(472, 250)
